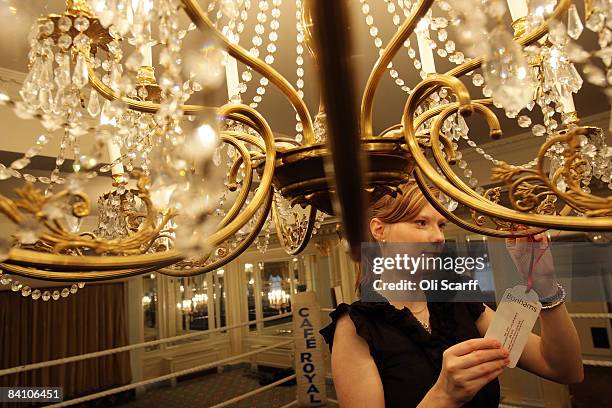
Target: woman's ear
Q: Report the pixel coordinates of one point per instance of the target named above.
(377, 229)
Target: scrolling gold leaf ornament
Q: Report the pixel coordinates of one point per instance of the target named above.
(43, 216)
(563, 183)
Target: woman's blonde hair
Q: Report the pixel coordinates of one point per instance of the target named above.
(401, 207)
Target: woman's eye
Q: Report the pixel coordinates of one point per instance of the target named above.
(443, 225)
(421, 223)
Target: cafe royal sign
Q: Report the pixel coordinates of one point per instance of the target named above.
(309, 368)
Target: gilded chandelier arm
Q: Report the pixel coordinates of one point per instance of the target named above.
(200, 19)
(244, 244)
(245, 157)
(266, 177)
(478, 204)
(377, 72)
(478, 229)
(443, 163)
(72, 276)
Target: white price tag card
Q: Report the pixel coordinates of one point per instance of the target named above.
(514, 319)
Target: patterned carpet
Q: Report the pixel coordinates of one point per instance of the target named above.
(212, 389)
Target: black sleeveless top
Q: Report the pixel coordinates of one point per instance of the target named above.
(408, 358)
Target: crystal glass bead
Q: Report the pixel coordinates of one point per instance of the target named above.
(55, 295)
(46, 295)
(81, 40)
(538, 130)
(478, 80)
(36, 294)
(64, 23)
(46, 27)
(524, 121)
(64, 41)
(20, 163)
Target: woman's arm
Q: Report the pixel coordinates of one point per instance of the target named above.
(556, 354)
(355, 374)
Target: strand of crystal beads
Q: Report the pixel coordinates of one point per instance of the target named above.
(489, 157)
(262, 244)
(456, 57)
(26, 291)
(299, 62)
(270, 48)
(437, 24)
(6, 173)
(247, 74)
(378, 43)
(260, 31)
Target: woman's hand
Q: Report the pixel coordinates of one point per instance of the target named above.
(534, 250)
(466, 368)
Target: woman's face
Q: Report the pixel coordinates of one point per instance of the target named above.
(427, 227)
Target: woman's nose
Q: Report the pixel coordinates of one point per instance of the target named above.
(437, 236)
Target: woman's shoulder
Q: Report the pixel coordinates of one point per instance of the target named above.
(362, 315)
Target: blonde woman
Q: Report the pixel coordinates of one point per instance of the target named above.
(425, 354)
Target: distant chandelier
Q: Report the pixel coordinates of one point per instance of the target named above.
(193, 185)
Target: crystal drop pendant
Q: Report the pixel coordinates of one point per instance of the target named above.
(93, 106)
(507, 72)
(574, 24)
(45, 97)
(80, 75)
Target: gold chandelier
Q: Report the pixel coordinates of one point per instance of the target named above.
(194, 185)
